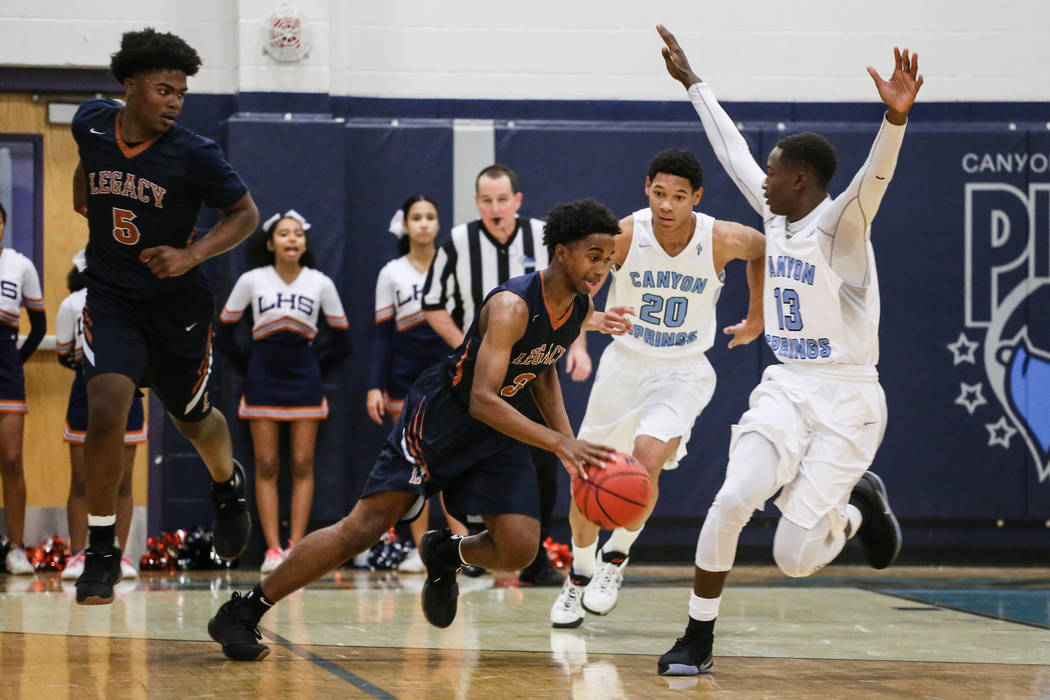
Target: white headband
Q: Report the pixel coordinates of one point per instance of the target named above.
(290, 214)
(397, 223)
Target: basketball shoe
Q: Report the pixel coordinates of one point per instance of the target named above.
(440, 590)
(567, 610)
(17, 562)
(540, 572)
(233, 522)
(879, 532)
(691, 653)
(101, 573)
(128, 568)
(602, 592)
(236, 627)
(412, 564)
(274, 557)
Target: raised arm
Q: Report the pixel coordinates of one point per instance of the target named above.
(733, 241)
(728, 143)
(848, 220)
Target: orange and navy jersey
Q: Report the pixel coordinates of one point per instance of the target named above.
(278, 306)
(547, 337)
(145, 194)
(19, 286)
(69, 326)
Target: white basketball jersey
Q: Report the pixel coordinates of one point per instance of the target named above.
(811, 315)
(674, 296)
(279, 306)
(19, 286)
(69, 325)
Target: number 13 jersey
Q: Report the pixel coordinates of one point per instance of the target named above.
(674, 297)
(812, 316)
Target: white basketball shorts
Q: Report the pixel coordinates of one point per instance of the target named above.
(634, 394)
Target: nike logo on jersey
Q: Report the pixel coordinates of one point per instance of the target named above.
(96, 132)
(644, 245)
(879, 177)
(535, 317)
(870, 422)
(191, 326)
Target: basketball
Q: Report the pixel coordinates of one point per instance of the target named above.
(615, 494)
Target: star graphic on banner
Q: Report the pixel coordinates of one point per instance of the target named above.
(1000, 432)
(970, 396)
(962, 350)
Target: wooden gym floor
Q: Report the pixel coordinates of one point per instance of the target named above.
(845, 632)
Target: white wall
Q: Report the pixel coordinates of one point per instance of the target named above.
(568, 49)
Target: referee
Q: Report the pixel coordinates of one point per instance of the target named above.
(479, 256)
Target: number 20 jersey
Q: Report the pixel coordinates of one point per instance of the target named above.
(812, 316)
(674, 297)
(144, 195)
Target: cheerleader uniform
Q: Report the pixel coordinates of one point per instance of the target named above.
(19, 286)
(283, 374)
(405, 344)
(69, 341)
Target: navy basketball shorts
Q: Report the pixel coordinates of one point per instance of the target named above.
(12, 378)
(436, 447)
(76, 416)
(163, 342)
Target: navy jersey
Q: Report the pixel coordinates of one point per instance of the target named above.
(545, 340)
(145, 195)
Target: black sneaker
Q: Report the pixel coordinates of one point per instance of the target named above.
(691, 654)
(472, 571)
(879, 532)
(101, 573)
(233, 521)
(541, 573)
(440, 590)
(236, 628)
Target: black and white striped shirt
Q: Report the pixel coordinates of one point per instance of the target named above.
(473, 262)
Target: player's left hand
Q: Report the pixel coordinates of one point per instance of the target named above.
(614, 321)
(165, 261)
(743, 332)
(900, 91)
(578, 363)
(674, 59)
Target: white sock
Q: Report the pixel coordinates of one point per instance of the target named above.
(584, 559)
(855, 518)
(101, 520)
(703, 609)
(621, 540)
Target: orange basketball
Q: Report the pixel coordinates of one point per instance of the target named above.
(615, 495)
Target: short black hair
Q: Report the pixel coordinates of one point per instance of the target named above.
(812, 150)
(74, 280)
(403, 243)
(496, 170)
(260, 256)
(150, 50)
(571, 221)
(3, 214)
(680, 162)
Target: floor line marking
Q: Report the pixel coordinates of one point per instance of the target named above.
(333, 668)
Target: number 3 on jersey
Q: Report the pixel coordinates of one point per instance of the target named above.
(789, 313)
(124, 230)
(519, 383)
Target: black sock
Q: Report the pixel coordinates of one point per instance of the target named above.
(447, 552)
(257, 602)
(101, 537)
(701, 627)
(223, 487)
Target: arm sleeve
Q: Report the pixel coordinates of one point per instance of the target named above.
(441, 278)
(332, 307)
(730, 147)
(65, 332)
(240, 297)
(212, 177)
(37, 328)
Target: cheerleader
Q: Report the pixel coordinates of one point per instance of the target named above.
(69, 341)
(19, 286)
(286, 296)
(405, 343)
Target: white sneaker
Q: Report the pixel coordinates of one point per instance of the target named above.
(567, 610)
(74, 567)
(128, 568)
(274, 557)
(413, 563)
(601, 593)
(17, 562)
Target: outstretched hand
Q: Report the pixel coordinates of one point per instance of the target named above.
(743, 332)
(675, 60)
(900, 90)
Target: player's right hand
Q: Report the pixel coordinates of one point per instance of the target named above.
(576, 454)
(375, 405)
(675, 60)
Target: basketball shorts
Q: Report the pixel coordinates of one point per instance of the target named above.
(826, 425)
(163, 342)
(283, 381)
(436, 447)
(634, 394)
(76, 416)
(12, 378)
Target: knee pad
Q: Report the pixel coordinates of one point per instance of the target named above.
(799, 552)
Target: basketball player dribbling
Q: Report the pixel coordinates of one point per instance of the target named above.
(461, 432)
(816, 420)
(654, 381)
